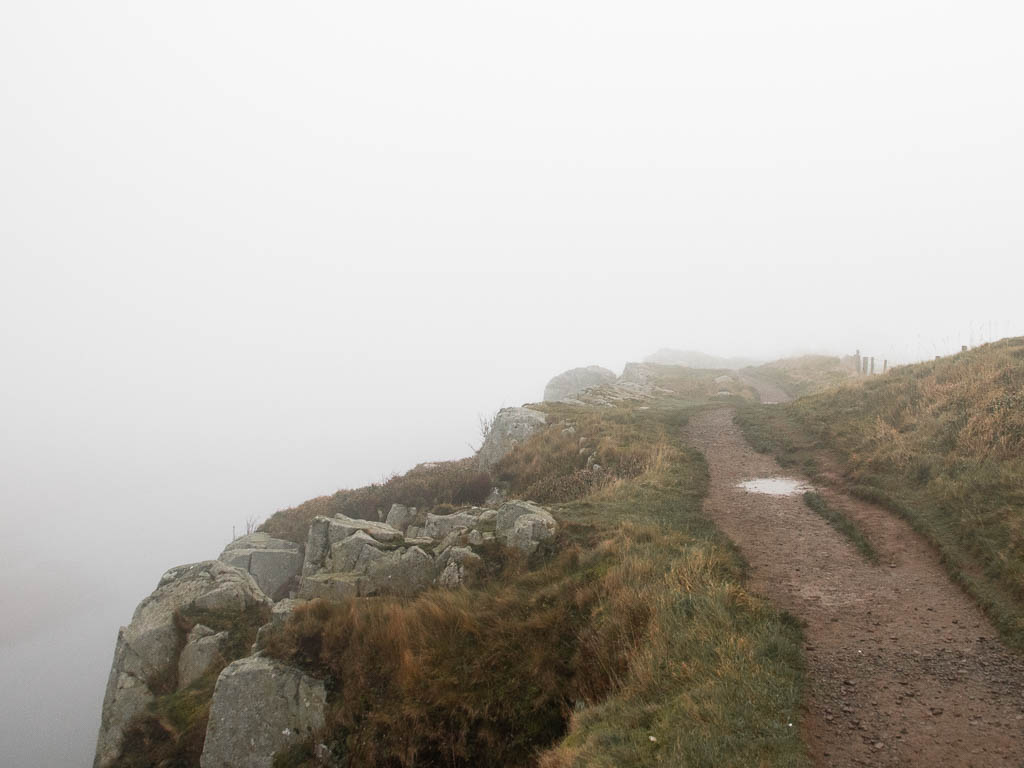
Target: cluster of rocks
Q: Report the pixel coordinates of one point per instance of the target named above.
(598, 386)
(346, 557)
(261, 706)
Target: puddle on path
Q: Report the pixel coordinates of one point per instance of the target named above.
(775, 486)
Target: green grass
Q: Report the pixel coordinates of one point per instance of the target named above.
(940, 443)
(838, 520)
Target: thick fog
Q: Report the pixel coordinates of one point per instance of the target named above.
(255, 252)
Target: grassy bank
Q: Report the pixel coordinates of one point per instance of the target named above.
(940, 443)
(634, 644)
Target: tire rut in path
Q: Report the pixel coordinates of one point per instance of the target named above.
(903, 668)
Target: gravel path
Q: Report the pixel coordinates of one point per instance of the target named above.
(903, 668)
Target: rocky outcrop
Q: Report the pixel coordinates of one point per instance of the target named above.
(570, 383)
(260, 707)
(325, 532)
(146, 655)
(274, 563)
(510, 427)
(348, 558)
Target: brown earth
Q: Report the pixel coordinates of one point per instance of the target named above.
(903, 668)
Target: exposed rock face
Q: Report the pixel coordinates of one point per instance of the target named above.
(147, 650)
(201, 651)
(274, 563)
(574, 381)
(259, 708)
(525, 526)
(510, 427)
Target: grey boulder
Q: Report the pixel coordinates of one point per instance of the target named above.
(511, 426)
(260, 707)
(401, 517)
(202, 650)
(525, 526)
(274, 563)
(570, 383)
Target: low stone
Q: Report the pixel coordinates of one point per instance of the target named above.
(439, 526)
(398, 573)
(456, 565)
(510, 427)
(260, 707)
(525, 526)
(354, 553)
(401, 517)
(329, 586)
(510, 511)
(202, 650)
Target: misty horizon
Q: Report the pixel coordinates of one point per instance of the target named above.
(253, 254)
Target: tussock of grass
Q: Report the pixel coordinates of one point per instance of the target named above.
(638, 626)
(838, 520)
(940, 443)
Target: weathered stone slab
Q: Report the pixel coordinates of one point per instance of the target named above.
(260, 707)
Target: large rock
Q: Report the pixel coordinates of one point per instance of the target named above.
(439, 526)
(576, 380)
(274, 563)
(401, 517)
(525, 526)
(510, 427)
(324, 532)
(202, 650)
(354, 553)
(147, 650)
(399, 573)
(329, 586)
(260, 707)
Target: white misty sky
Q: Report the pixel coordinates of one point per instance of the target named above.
(253, 252)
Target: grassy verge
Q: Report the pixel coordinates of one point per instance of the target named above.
(939, 443)
(634, 644)
(838, 520)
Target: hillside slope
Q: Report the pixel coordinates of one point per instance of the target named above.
(942, 444)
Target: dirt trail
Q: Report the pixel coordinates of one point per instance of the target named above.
(903, 668)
